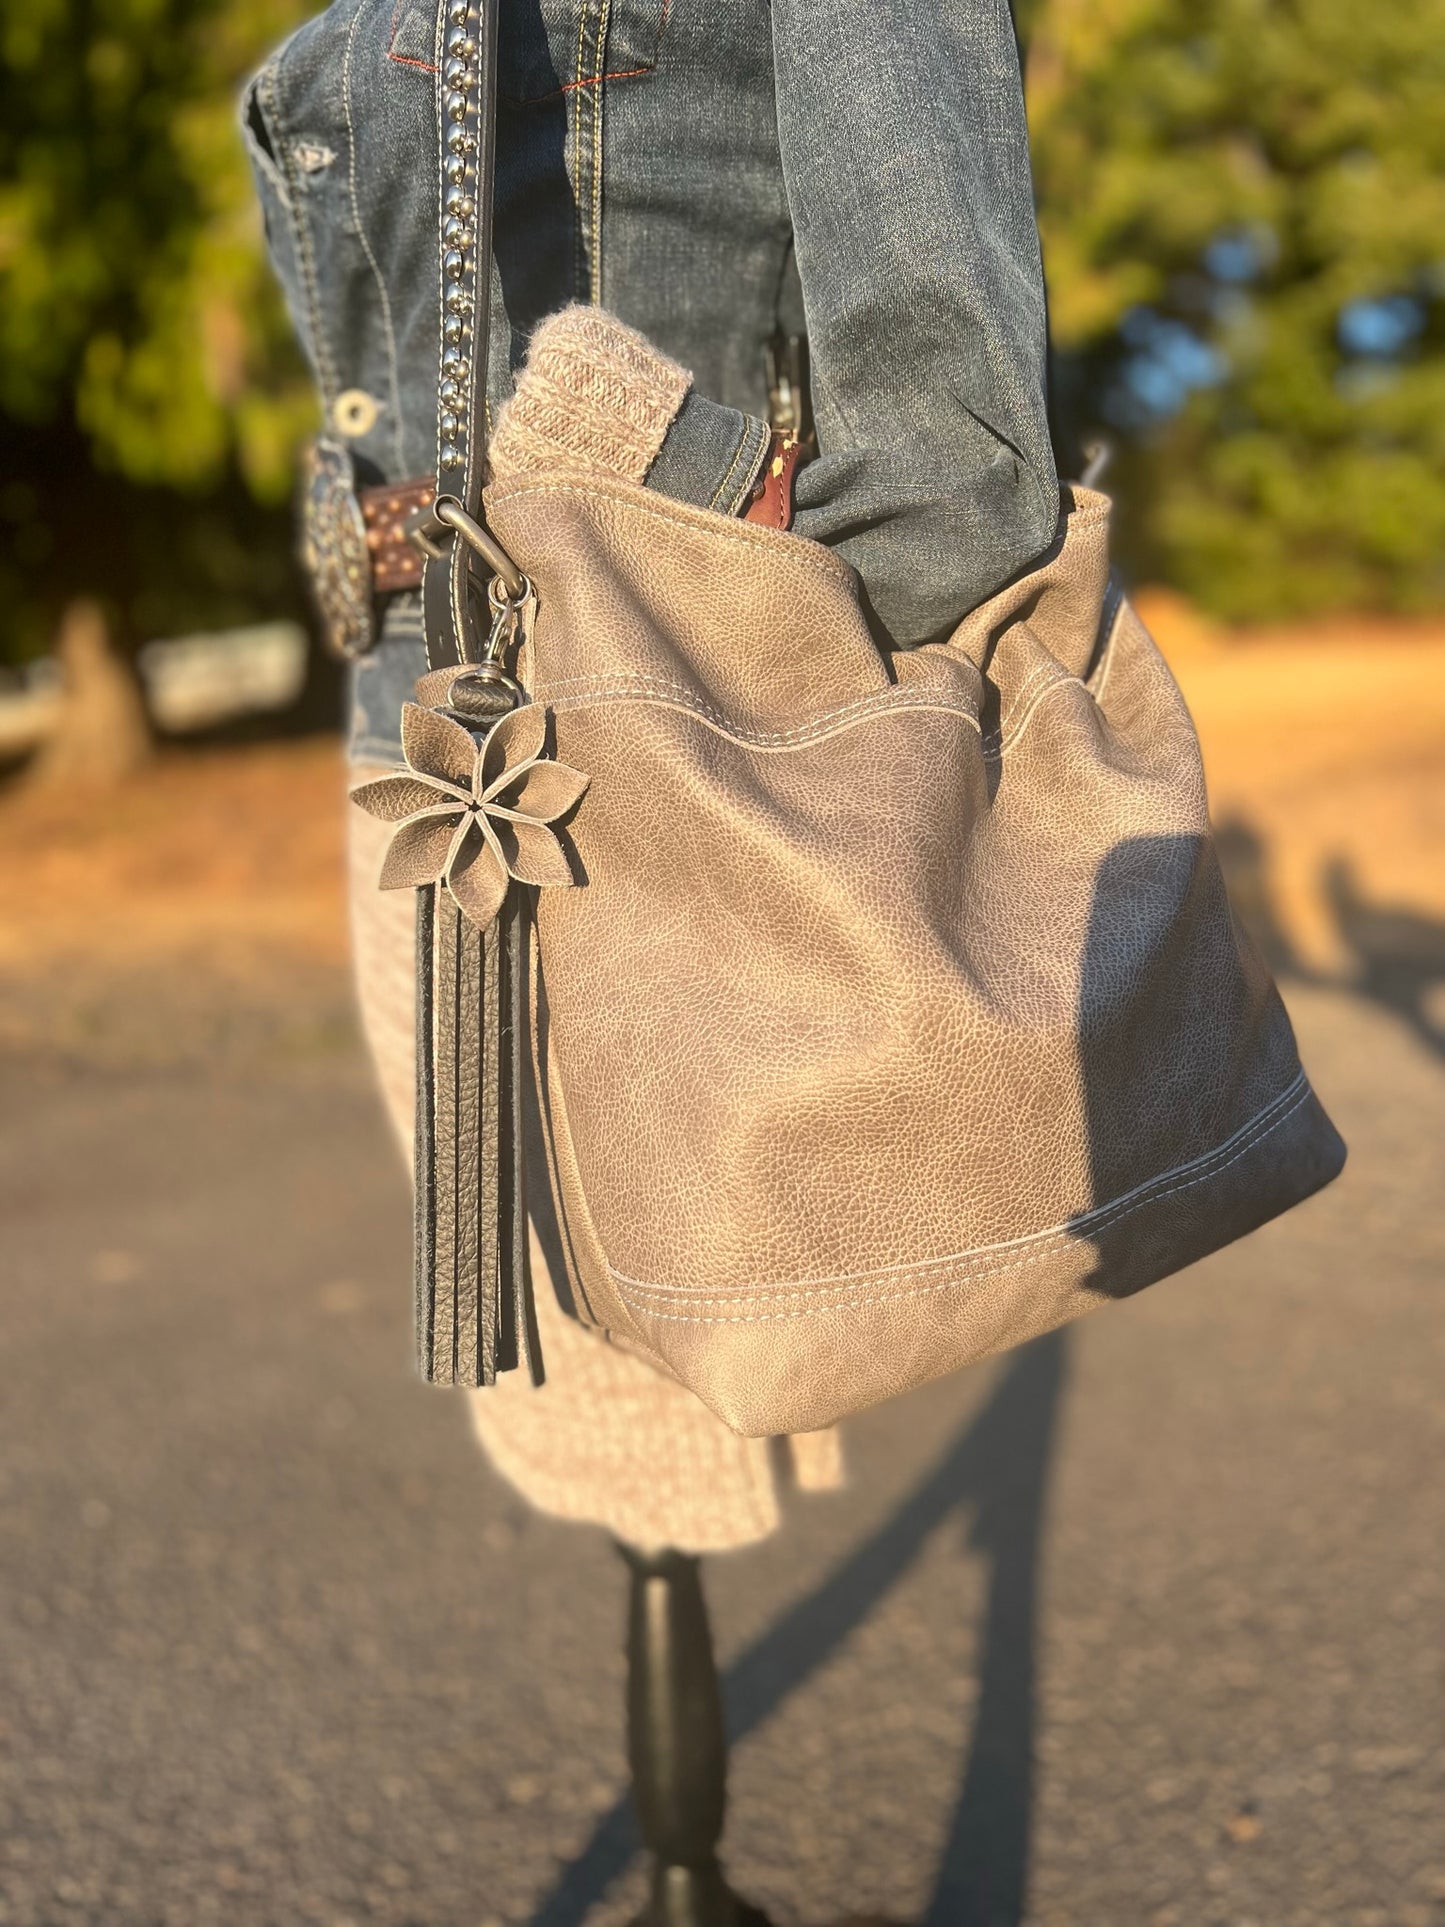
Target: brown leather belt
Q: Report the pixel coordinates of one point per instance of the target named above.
(395, 561)
(772, 497)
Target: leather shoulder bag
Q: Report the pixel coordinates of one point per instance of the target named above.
(893, 1011)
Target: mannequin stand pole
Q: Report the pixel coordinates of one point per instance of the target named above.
(676, 1744)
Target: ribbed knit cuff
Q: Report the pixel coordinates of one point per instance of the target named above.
(594, 395)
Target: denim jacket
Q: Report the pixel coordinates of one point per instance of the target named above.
(713, 172)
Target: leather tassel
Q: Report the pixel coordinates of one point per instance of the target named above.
(475, 1311)
(517, 1339)
(471, 745)
(470, 783)
(506, 1332)
(473, 1243)
(481, 1196)
(441, 1341)
(424, 1263)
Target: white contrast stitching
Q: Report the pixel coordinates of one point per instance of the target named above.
(1061, 682)
(744, 534)
(761, 440)
(599, 95)
(1046, 1244)
(439, 56)
(1208, 1163)
(391, 356)
(1039, 672)
(1110, 650)
(671, 696)
(715, 499)
(326, 376)
(640, 683)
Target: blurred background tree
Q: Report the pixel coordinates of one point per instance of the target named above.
(1243, 211)
(1243, 206)
(150, 400)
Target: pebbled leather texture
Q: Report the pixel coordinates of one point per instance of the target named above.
(608, 1438)
(901, 1015)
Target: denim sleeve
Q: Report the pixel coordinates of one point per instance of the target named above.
(710, 456)
(905, 157)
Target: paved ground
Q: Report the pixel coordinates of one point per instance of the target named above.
(1143, 1626)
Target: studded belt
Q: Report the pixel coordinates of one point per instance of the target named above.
(354, 543)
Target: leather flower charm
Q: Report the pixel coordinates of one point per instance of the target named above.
(473, 816)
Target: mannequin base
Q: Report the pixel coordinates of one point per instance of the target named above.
(696, 1897)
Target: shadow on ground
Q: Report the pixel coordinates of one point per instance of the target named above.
(994, 1472)
(1396, 955)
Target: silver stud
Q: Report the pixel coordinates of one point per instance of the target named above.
(456, 106)
(453, 365)
(460, 43)
(451, 394)
(456, 140)
(451, 456)
(457, 302)
(460, 203)
(455, 264)
(450, 424)
(456, 233)
(452, 329)
(458, 11)
(459, 74)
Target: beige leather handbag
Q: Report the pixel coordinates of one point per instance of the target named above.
(895, 1012)
(900, 1014)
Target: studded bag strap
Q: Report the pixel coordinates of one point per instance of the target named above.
(475, 1313)
(460, 554)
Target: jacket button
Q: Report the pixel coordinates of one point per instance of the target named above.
(354, 412)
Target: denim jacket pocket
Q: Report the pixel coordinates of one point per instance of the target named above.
(412, 41)
(286, 241)
(261, 148)
(547, 48)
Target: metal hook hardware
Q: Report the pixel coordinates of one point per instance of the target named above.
(507, 608)
(446, 512)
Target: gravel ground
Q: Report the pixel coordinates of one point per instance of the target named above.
(1141, 1627)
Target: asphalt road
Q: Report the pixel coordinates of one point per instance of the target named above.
(1143, 1627)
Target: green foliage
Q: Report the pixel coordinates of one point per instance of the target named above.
(1222, 184)
(151, 400)
(134, 291)
(141, 341)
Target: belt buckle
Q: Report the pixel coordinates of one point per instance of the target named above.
(334, 548)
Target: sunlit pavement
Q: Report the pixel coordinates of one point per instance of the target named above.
(1143, 1625)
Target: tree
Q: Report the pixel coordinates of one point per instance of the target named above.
(1243, 211)
(149, 394)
